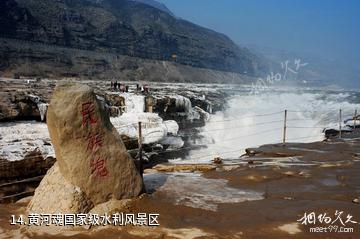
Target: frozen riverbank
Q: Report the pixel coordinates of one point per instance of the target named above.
(159, 111)
(192, 123)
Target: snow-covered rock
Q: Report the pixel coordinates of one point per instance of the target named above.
(17, 139)
(353, 121)
(336, 127)
(154, 129)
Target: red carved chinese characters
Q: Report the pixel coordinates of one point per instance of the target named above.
(94, 142)
(98, 167)
(87, 111)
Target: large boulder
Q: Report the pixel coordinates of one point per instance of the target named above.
(55, 194)
(89, 150)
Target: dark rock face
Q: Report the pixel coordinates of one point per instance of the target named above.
(32, 165)
(17, 21)
(121, 27)
(13, 107)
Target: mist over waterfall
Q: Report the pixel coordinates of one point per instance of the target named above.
(252, 120)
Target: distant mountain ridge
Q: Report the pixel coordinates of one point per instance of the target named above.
(123, 27)
(157, 5)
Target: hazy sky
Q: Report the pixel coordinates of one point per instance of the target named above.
(327, 28)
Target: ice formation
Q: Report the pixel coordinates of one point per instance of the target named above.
(183, 102)
(154, 129)
(42, 109)
(41, 105)
(336, 127)
(19, 139)
(352, 123)
(134, 103)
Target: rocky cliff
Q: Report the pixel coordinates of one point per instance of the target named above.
(37, 35)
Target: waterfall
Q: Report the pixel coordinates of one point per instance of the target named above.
(41, 105)
(42, 109)
(209, 108)
(134, 103)
(183, 102)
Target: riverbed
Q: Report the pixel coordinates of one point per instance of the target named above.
(261, 192)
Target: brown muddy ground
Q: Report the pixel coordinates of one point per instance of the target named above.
(321, 177)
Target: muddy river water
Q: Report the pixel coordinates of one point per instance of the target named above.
(268, 195)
